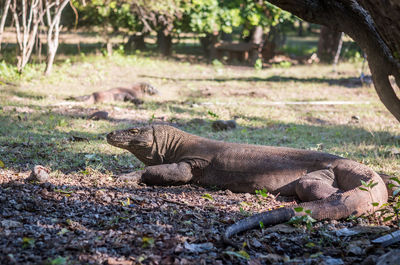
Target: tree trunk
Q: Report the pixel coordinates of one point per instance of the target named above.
(273, 40)
(109, 47)
(256, 40)
(373, 24)
(164, 43)
(328, 44)
(53, 21)
(3, 20)
(338, 51)
(26, 19)
(208, 44)
(136, 42)
(300, 31)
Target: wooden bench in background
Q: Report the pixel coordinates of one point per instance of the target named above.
(242, 52)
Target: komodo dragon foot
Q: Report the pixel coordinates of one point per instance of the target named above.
(135, 176)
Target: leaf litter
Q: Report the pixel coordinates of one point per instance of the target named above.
(76, 220)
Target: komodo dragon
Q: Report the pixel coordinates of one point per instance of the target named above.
(132, 94)
(328, 185)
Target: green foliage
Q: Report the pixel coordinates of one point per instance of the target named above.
(207, 196)
(212, 114)
(396, 192)
(209, 16)
(126, 203)
(116, 14)
(367, 186)
(217, 63)
(262, 193)
(28, 242)
(258, 64)
(305, 219)
(240, 254)
(391, 210)
(147, 242)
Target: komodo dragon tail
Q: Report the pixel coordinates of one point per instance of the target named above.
(354, 201)
(89, 99)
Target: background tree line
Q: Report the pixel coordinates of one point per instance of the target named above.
(209, 20)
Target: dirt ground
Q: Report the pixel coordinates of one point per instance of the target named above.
(94, 219)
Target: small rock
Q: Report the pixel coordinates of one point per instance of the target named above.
(221, 125)
(283, 228)
(369, 229)
(358, 247)
(387, 240)
(254, 262)
(39, 173)
(396, 138)
(273, 258)
(395, 151)
(255, 243)
(120, 261)
(196, 121)
(179, 248)
(199, 248)
(332, 261)
(362, 229)
(355, 118)
(346, 232)
(370, 260)
(108, 199)
(355, 250)
(7, 224)
(390, 258)
(99, 115)
(228, 192)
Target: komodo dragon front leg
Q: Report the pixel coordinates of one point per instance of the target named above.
(166, 174)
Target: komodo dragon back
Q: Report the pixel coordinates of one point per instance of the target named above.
(132, 94)
(327, 185)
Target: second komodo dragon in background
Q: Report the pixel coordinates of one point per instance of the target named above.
(133, 94)
(328, 185)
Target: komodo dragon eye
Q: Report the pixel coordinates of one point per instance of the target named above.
(134, 131)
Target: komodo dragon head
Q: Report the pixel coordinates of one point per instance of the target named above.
(138, 141)
(149, 89)
(153, 145)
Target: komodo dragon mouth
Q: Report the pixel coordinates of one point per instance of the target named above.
(131, 138)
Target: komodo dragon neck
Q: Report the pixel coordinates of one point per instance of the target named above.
(168, 143)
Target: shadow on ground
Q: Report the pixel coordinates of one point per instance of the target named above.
(348, 82)
(45, 138)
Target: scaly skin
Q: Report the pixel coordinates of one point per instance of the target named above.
(327, 184)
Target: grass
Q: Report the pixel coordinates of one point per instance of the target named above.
(36, 127)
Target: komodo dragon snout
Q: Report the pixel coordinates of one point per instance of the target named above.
(132, 138)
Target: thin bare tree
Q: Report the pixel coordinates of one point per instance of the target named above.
(27, 16)
(53, 15)
(3, 19)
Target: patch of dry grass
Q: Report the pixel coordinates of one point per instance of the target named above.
(35, 113)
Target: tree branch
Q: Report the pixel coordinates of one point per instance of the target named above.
(350, 17)
(3, 19)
